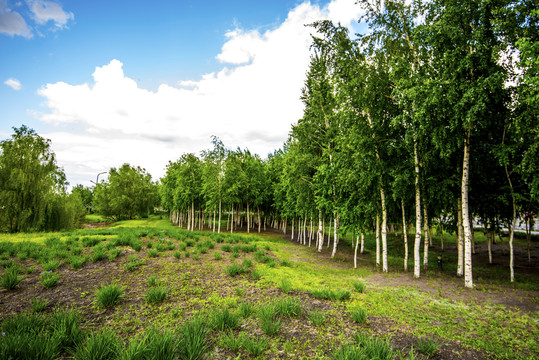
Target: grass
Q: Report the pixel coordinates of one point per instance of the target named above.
(193, 344)
(223, 319)
(49, 279)
(156, 294)
(38, 305)
(235, 269)
(498, 329)
(358, 314)
(428, 346)
(11, 278)
(101, 345)
(109, 295)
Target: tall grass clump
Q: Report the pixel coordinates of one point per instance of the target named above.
(99, 345)
(156, 294)
(49, 279)
(358, 314)
(222, 319)
(254, 346)
(161, 345)
(269, 322)
(109, 295)
(428, 346)
(285, 285)
(192, 344)
(288, 307)
(11, 278)
(235, 269)
(317, 318)
(66, 326)
(38, 305)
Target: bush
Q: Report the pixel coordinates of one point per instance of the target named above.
(109, 295)
(49, 279)
(11, 278)
(156, 294)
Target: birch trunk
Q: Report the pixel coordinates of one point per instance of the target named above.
(320, 233)
(362, 243)
(214, 216)
(489, 244)
(355, 252)
(426, 231)
(405, 235)
(248, 218)
(232, 220)
(377, 240)
(384, 228)
(417, 242)
(468, 279)
(512, 228)
(335, 236)
(219, 224)
(259, 220)
(460, 240)
(329, 234)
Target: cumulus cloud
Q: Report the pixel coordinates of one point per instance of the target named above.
(12, 23)
(251, 102)
(44, 11)
(13, 83)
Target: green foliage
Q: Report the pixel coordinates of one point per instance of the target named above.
(317, 318)
(154, 281)
(109, 295)
(217, 255)
(288, 307)
(246, 309)
(99, 345)
(222, 319)
(33, 188)
(269, 323)
(153, 253)
(38, 305)
(129, 192)
(51, 265)
(49, 279)
(358, 314)
(254, 346)
(65, 325)
(325, 293)
(11, 278)
(156, 294)
(114, 253)
(285, 285)
(428, 346)
(192, 344)
(359, 286)
(76, 262)
(235, 269)
(229, 341)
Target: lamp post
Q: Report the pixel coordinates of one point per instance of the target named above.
(97, 179)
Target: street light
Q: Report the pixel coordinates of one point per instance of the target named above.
(97, 179)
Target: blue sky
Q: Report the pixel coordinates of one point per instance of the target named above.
(143, 82)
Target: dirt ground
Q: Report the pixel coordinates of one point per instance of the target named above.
(194, 281)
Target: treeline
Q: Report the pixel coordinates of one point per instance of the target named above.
(33, 189)
(430, 119)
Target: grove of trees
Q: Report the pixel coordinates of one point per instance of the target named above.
(430, 119)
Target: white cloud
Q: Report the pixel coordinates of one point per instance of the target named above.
(250, 104)
(12, 23)
(13, 83)
(44, 11)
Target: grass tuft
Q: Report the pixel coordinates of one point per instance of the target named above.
(109, 295)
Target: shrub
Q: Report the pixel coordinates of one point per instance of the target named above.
(182, 246)
(99, 345)
(192, 344)
(11, 278)
(156, 294)
(49, 279)
(226, 247)
(109, 295)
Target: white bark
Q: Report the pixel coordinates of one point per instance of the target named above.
(405, 236)
(329, 234)
(426, 231)
(335, 235)
(377, 240)
(460, 240)
(417, 242)
(248, 219)
(320, 234)
(232, 220)
(468, 279)
(362, 243)
(489, 242)
(384, 230)
(355, 252)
